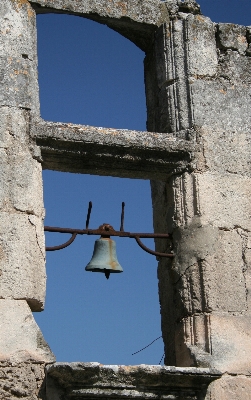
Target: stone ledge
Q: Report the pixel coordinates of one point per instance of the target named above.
(117, 152)
(94, 380)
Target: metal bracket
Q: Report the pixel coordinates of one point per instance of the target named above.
(107, 230)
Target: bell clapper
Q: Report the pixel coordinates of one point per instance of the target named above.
(107, 273)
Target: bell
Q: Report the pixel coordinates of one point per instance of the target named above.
(104, 258)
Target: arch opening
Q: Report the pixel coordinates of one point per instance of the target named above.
(97, 81)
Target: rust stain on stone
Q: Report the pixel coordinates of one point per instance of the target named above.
(200, 18)
(123, 6)
(20, 3)
(30, 12)
(241, 39)
(20, 71)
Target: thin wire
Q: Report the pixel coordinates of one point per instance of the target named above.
(161, 358)
(147, 346)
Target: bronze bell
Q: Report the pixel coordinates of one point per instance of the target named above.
(104, 258)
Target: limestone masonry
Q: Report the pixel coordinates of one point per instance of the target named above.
(197, 153)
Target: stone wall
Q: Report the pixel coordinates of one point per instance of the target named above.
(205, 82)
(21, 202)
(197, 76)
(23, 352)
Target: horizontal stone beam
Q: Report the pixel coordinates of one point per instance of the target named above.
(114, 152)
(94, 380)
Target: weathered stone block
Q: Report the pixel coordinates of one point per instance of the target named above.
(189, 6)
(233, 37)
(23, 380)
(18, 58)
(193, 243)
(172, 6)
(183, 200)
(223, 281)
(230, 388)
(173, 112)
(219, 200)
(22, 211)
(17, 82)
(201, 46)
(221, 105)
(13, 126)
(22, 251)
(220, 341)
(18, 30)
(229, 204)
(231, 346)
(20, 338)
(225, 150)
(179, 61)
(209, 264)
(235, 68)
(20, 175)
(25, 188)
(193, 341)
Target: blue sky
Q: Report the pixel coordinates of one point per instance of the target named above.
(91, 75)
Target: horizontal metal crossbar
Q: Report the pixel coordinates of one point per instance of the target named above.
(106, 230)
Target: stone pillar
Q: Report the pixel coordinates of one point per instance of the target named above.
(21, 201)
(203, 75)
(22, 249)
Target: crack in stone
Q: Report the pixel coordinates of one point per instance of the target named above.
(35, 226)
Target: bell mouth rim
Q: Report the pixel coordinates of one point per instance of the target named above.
(112, 271)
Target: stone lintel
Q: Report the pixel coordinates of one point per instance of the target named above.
(115, 152)
(134, 19)
(94, 380)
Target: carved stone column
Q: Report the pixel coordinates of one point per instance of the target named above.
(203, 94)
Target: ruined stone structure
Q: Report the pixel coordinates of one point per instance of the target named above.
(198, 77)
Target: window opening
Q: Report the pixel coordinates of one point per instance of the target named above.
(86, 317)
(89, 74)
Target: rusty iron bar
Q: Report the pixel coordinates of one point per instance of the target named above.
(122, 217)
(64, 245)
(88, 215)
(106, 233)
(155, 253)
(107, 230)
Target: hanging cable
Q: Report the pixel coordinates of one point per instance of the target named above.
(147, 346)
